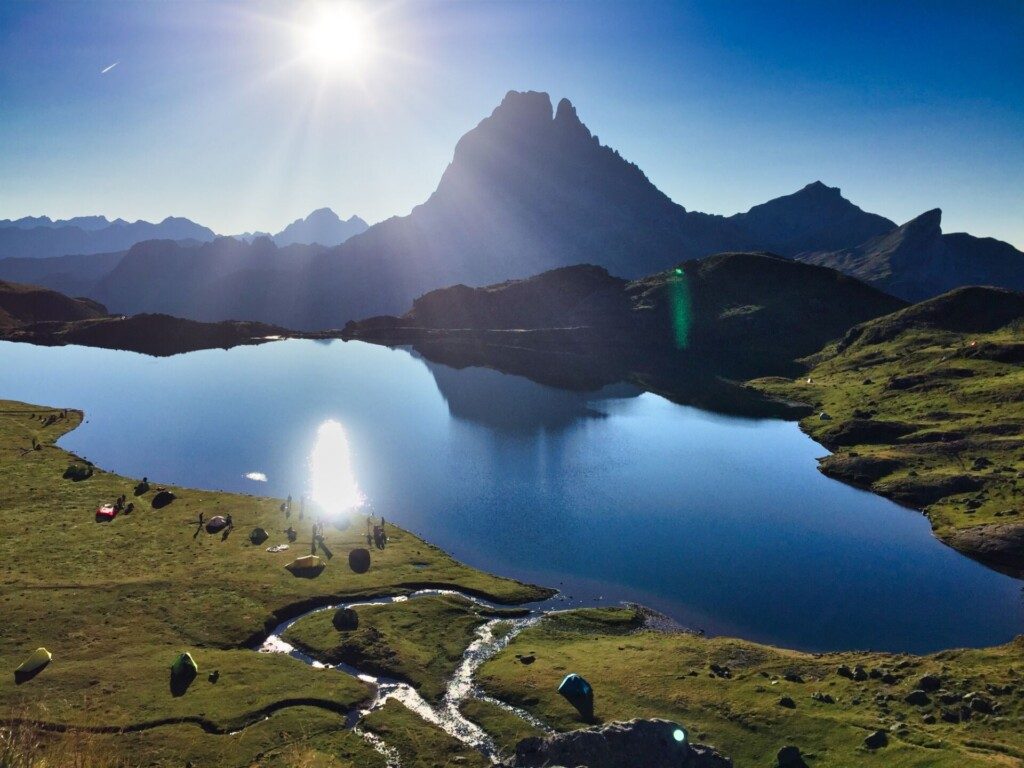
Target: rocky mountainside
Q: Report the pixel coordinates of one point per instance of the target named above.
(37, 315)
(917, 261)
(39, 237)
(753, 310)
(29, 303)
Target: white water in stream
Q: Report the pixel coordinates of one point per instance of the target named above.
(446, 715)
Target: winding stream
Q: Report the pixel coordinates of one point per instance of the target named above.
(447, 715)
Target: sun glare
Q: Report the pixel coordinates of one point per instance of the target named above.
(336, 37)
(333, 486)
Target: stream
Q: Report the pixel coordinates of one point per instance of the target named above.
(446, 715)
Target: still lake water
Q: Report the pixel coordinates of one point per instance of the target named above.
(723, 523)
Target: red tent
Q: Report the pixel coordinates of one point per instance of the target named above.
(106, 513)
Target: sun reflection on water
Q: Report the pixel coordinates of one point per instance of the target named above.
(333, 486)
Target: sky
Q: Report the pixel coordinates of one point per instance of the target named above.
(235, 115)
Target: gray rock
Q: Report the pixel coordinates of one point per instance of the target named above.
(787, 702)
(790, 757)
(650, 743)
(929, 683)
(876, 740)
(917, 698)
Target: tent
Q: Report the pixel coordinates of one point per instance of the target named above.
(162, 499)
(579, 693)
(257, 536)
(184, 667)
(34, 664)
(305, 565)
(359, 560)
(216, 524)
(106, 513)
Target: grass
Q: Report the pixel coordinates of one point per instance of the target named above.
(505, 728)
(955, 415)
(116, 602)
(648, 674)
(419, 641)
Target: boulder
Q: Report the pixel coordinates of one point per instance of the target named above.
(876, 740)
(917, 698)
(787, 702)
(929, 683)
(790, 757)
(162, 499)
(650, 743)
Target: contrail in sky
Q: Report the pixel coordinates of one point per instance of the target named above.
(107, 69)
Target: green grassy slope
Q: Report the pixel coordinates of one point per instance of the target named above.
(116, 602)
(926, 406)
(649, 674)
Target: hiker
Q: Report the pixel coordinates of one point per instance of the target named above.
(202, 519)
(230, 524)
(291, 534)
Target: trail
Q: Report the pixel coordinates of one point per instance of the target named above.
(446, 715)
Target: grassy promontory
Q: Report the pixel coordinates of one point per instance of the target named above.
(955, 708)
(926, 406)
(116, 602)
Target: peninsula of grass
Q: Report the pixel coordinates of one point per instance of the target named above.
(749, 700)
(419, 641)
(419, 744)
(926, 407)
(116, 602)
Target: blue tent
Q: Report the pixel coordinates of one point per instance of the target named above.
(579, 693)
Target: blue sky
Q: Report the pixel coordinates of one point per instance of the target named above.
(213, 113)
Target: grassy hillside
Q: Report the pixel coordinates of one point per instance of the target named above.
(926, 406)
(116, 602)
(728, 692)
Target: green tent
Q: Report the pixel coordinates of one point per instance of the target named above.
(34, 664)
(184, 667)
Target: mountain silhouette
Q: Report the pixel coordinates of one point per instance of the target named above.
(816, 218)
(917, 261)
(529, 189)
(322, 227)
(40, 237)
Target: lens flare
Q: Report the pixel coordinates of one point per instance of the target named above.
(333, 486)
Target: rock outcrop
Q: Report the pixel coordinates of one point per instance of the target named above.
(647, 743)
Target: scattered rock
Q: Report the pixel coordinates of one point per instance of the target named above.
(793, 677)
(845, 671)
(787, 702)
(876, 740)
(929, 683)
(824, 698)
(928, 719)
(860, 674)
(917, 698)
(527, 659)
(790, 757)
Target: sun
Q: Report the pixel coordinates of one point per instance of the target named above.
(337, 37)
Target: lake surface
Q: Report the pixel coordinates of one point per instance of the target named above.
(723, 523)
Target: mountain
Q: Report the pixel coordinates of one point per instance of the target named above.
(323, 226)
(224, 279)
(528, 189)
(21, 304)
(72, 275)
(40, 237)
(817, 218)
(751, 311)
(917, 261)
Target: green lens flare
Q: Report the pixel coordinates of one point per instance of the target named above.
(679, 305)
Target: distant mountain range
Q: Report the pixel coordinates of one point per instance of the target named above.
(322, 227)
(529, 189)
(39, 237)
